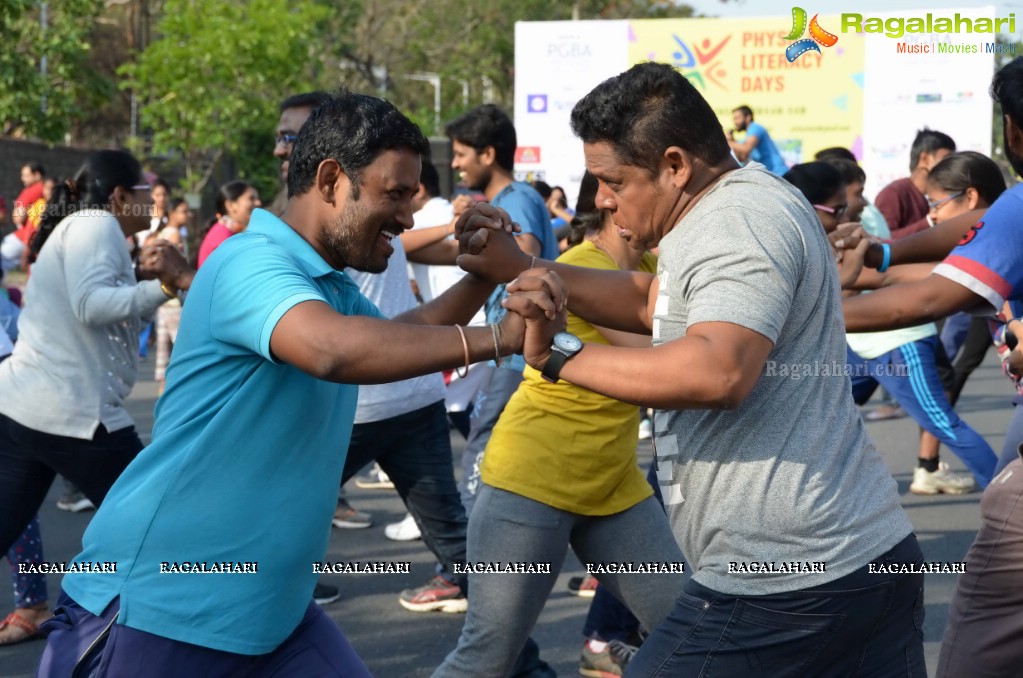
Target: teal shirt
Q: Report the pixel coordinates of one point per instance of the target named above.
(245, 462)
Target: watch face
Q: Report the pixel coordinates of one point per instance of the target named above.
(567, 342)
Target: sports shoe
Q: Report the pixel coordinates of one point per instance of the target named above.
(375, 479)
(75, 503)
(604, 660)
(884, 413)
(347, 517)
(406, 530)
(646, 429)
(941, 481)
(584, 587)
(325, 593)
(438, 594)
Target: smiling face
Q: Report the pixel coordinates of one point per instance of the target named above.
(360, 234)
(640, 205)
(472, 166)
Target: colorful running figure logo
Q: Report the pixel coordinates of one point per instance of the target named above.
(696, 67)
(819, 35)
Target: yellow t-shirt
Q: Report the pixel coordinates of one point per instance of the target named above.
(563, 445)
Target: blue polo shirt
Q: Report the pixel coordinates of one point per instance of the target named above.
(245, 462)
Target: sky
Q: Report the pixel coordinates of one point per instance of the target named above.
(753, 8)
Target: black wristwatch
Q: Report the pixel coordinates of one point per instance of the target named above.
(565, 346)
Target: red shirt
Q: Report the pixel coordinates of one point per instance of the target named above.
(904, 208)
(29, 196)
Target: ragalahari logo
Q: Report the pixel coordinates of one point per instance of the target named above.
(697, 64)
(818, 35)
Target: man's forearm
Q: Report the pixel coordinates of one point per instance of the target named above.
(907, 305)
(933, 244)
(457, 305)
(441, 253)
(614, 299)
(419, 238)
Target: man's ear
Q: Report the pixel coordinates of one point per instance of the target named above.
(488, 156)
(677, 164)
(1013, 136)
(331, 181)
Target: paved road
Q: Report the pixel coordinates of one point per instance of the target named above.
(398, 644)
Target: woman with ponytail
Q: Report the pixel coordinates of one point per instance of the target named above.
(76, 357)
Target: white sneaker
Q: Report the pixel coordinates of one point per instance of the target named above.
(646, 429)
(375, 479)
(941, 481)
(406, 530)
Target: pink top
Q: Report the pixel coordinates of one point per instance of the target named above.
(217, 234)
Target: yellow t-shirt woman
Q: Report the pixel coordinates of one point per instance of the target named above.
(563, 445)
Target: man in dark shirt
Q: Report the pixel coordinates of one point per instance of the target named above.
(902, 202)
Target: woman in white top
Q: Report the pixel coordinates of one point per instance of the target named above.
(62, 408)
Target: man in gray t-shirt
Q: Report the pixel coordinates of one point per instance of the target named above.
(803, 561)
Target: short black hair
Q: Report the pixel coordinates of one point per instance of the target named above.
(484, 126)
(352, 129)
(35, 168)
(745, 110)
(1007, 90)
(834, 152)
(850, 171)
(429, 177)
(817, 181)
(159, 182)
(306, 100)
(928, 141)
(646, 109)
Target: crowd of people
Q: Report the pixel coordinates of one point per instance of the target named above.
(324, 334)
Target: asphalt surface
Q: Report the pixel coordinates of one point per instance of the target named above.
(396, 643)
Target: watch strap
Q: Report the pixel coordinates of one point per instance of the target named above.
(552, 368)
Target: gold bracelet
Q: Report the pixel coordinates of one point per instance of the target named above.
(465, 345)
(497, 343)
(171, 294)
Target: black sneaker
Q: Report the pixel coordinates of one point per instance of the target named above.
(325, 593)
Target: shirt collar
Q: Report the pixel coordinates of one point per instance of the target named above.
(267, 224)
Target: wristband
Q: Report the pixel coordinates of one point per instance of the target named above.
(886, 257)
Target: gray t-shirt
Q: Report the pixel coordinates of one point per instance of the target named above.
(789, 475)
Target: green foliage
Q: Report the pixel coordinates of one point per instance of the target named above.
(68, 88)
(214, 78)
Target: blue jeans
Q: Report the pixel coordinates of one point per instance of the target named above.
(922, 395)
(414, 450)
(862, 624)
(608, 618)
(505, 527)
(494, 393)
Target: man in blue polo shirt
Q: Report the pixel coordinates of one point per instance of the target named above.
(758, 145)
(260, 399)
(483, 143)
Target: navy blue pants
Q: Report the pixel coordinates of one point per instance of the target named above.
(315, 649)
(863, 624)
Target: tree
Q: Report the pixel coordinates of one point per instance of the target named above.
(215, 75)
(46, 104)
